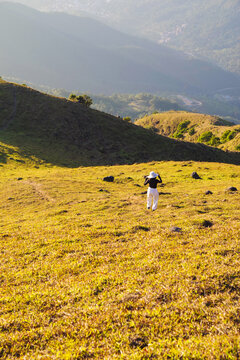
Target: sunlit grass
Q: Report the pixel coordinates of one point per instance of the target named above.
(193, 127)
(88, 272)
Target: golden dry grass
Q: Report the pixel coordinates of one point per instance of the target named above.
(87, 272)
(167, 124)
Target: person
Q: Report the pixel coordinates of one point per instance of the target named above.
(152, 194)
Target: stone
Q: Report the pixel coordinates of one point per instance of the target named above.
(206, 223)
(231, 188)
(175, 229)
(108, 178)
(208, 192)
(195, 175)
(138, 342)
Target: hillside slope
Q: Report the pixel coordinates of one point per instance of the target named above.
(79, 53)
(62, 132)
(194, 127)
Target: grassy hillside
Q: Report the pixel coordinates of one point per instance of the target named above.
(194, 127)
(62, 132)
(88, 273)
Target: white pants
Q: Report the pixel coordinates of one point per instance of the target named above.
(152, 197)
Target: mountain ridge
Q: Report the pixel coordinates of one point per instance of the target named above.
(194, 27)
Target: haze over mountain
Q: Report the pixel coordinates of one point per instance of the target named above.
(205, 28)
(71, 52)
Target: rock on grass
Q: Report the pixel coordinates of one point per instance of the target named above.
(195, 175)
(231, 188)
(138, 342)
(175, 229)
(206, 223)
(108, 178)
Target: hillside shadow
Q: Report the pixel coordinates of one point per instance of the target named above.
(64, 154)
(56, 131)
(3, 158)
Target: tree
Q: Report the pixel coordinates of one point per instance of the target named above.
(85, 100)
(72, 97)
(81, 99)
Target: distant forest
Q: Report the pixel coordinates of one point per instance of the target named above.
(139, 105)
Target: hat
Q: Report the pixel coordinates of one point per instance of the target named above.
(152, 175)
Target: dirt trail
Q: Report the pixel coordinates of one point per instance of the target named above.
(39, 191)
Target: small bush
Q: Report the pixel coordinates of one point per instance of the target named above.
(192, 131)
(215, 141)
(205, 137)
(228, 135)
(209, 138)
(181, 129)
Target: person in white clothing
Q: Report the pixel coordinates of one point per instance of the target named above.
(152, 194)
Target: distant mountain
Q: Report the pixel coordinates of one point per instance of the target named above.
(62, 132)
(208, 28)
(194, 127)
(71, 52)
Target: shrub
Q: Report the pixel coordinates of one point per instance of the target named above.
(237, 147)
(72, 97)
(209, 138)
(215, 141)
(205, 137)
(181, 129)
(82, 99)
(192, 131)
(85, 100)
(228, 135)
(127, 118)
